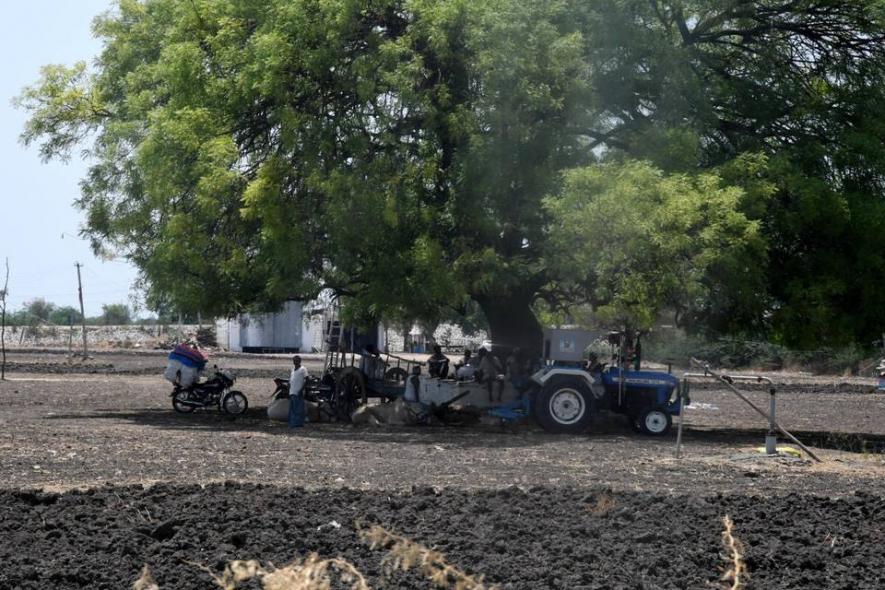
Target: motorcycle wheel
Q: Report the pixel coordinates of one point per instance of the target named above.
(234, 403)
(178, 403)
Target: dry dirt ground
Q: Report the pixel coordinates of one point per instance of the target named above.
(518, 505)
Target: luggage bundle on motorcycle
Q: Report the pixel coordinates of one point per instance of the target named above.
(184, 365)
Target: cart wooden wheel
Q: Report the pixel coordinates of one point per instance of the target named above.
(350, 392)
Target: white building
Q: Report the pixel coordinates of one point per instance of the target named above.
(310, 327)
(295, 328)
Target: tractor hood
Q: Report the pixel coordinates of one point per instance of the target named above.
(612, 376)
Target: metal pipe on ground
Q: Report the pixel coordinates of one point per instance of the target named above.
(771, 437)
(725, 380)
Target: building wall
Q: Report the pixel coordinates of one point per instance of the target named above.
(302, 326)
(287, 326)
(222, 333)
(281, 330)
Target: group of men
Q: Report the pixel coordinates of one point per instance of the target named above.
(484, 368)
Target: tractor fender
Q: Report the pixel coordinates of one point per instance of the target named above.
(547, 374)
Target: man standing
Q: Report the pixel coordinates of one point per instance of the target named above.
(515, 369)
(489, 369)
(296, 393)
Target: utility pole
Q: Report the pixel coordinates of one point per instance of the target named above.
(3, 295)
(82, 312)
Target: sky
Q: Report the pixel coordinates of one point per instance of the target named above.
(39, 225)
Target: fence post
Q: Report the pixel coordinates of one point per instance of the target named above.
(771, 437)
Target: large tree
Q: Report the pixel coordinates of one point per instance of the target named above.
(400, 151)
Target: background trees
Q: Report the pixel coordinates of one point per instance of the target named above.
(39, 312)
(417, 155)
(63, 316)
(39, 309)
(116, 314)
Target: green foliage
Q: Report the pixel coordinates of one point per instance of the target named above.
(398, 151)
(642, 241)
(669, 346)
(39, 310)
(63, 316)
(65, 106)
(116, 314)
(18, 318)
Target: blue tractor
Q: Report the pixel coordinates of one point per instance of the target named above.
(570, 389)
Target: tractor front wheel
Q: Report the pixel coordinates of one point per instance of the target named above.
(655, 421)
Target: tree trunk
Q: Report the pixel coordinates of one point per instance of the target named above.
(512, 323)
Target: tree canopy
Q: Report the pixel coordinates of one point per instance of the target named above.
(643, 241)
(39, 309)
(62, 316)
(415, 155)
(116, 314)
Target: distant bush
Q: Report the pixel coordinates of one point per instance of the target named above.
(63, 316)
(116, 314)
(736, 353)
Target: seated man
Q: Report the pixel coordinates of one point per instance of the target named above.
(438, 363)
(465, 369)
(593, 365)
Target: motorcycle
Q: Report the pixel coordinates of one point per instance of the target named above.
(213, 392)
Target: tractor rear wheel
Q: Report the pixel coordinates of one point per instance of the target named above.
(563, 406)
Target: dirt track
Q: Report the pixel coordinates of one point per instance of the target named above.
(518, 506)
(65, 431)
(147, 362)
